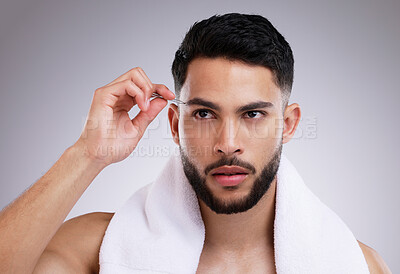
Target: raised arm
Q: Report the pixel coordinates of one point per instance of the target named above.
(29, 223)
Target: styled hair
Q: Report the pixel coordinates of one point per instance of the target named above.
(249, 38)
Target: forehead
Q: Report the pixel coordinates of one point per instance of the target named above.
(219, 79)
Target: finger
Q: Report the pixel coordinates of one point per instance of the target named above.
(122, 88)
(133, 74)
(144, 118)
(164, 91)
(124, 76)
(141, 71)
(125, 103)
(137, 76)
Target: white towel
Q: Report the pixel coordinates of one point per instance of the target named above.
(160, 229)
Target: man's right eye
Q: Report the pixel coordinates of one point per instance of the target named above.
(202, 114)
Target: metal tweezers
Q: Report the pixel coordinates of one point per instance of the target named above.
(173, 100)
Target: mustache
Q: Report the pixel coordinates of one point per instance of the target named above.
(234, 161)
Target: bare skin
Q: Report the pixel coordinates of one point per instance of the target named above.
(29, 223)
(243, 242)
(235, 243)
(244, 252)
(32, 233)
(85, 233)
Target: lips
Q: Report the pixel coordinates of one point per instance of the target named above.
(229, 170)
(229, 175)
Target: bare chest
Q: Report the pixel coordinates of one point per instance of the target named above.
(257, 261)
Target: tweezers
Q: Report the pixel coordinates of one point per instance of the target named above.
(173, 100)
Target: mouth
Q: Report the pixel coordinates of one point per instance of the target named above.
(230, 175)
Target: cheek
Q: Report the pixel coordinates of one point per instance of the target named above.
(198, 132)
(262, 139)
(261, 154)
(197, 138)
(268, 128)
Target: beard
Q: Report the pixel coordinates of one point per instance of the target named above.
(260, 186)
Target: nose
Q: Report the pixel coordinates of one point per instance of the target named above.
(228, 141)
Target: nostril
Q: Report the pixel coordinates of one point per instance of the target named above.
(218, 150)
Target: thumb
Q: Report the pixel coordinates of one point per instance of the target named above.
(144, 118)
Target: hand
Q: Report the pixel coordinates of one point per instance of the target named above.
(109, 135)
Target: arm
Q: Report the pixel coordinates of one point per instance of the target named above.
(109, 135)
(28, 223)
(75, 247)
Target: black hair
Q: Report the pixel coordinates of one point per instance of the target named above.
(249, 38)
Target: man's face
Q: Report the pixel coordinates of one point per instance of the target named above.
(232, 117)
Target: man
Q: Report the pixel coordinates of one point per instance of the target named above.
(234, 74)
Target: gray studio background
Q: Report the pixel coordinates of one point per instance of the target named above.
(54, 54)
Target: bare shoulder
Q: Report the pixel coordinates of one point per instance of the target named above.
(76, 244)
(375, 262)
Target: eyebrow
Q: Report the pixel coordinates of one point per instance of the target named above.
(250, 106)
(202, 102)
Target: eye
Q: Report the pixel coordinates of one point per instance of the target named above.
(202, 114)
(253, 114)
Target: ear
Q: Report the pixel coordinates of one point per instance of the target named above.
(173, 117)
(291, 119)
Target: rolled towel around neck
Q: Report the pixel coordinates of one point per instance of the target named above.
(160, 229)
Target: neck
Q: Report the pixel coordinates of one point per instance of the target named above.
(242, 231)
